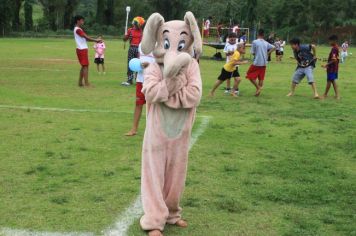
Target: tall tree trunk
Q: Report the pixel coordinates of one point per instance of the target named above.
(109, 12)
(100, 10)
(28, 15)
(16, 15)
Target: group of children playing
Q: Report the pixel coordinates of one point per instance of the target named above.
(261, 50)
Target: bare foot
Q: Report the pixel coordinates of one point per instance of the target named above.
(88, 86)
(131, 133)
(211, 94)
(258, 92)
(337, 97)
(290, 94)
(181, 223)
(316, 96)
(155, 232)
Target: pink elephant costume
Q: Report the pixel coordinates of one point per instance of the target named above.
(173, 90)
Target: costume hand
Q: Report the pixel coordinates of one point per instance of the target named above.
(145, 64)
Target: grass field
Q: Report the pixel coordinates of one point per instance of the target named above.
(264, 166)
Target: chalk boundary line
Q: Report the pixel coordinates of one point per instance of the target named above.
(127, 218)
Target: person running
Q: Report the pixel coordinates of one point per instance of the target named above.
(230, 70)
(229, 49)
(344, 54)
(260, 49)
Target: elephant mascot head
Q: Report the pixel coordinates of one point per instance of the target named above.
(173, 43)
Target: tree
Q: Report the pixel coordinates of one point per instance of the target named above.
(109, 12)
(28, 14)
(16, 15)
(6, 13)
(100, 10)
(69, 9)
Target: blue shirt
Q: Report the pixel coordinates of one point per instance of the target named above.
(259, 49)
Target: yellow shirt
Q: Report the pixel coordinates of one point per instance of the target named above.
(230, 67)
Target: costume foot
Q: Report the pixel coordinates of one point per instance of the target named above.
(181, 223)
(131, 133)
(290, 94)
(155, 232)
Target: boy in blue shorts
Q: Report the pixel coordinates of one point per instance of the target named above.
(332, 67)
(305, 54)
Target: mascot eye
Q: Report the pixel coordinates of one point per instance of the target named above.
(166, 44)
(181, 45)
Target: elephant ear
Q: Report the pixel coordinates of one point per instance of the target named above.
(149, 39)
(193, 25)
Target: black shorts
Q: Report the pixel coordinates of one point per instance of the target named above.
(279, 53)
(228, 75)
(99, 61)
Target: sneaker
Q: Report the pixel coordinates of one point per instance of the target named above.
(125, 83)
(227, 90)
(237, 92)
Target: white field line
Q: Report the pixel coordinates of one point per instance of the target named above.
(52, 70)
(134, 211)
(127, 218)
(56, 109)
(32, 68)
(59, 60)
(20, 232)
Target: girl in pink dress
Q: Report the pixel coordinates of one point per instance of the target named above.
(99, 55)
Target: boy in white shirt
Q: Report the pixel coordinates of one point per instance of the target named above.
(81, 39)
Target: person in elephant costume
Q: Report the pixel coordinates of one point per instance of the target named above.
(173, 90)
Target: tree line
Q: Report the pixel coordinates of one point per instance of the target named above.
(304, 17)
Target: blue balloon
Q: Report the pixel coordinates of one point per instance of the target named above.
(135, 65)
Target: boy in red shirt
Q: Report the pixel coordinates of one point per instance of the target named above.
(81, 39)
(332, 67)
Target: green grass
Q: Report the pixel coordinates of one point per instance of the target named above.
(265, 166)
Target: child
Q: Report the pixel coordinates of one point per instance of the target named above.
(230, 48)
(207, 27)
(278, 45)
(306, 63)
(332, 67)
(140, 97)
(230, 70)
(99, 55)
(260, 49)
(281, 51)
(344, 54)
(82, 50)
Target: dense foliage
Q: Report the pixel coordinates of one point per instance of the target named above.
(285, 17)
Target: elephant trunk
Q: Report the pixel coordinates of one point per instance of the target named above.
(173, 63)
